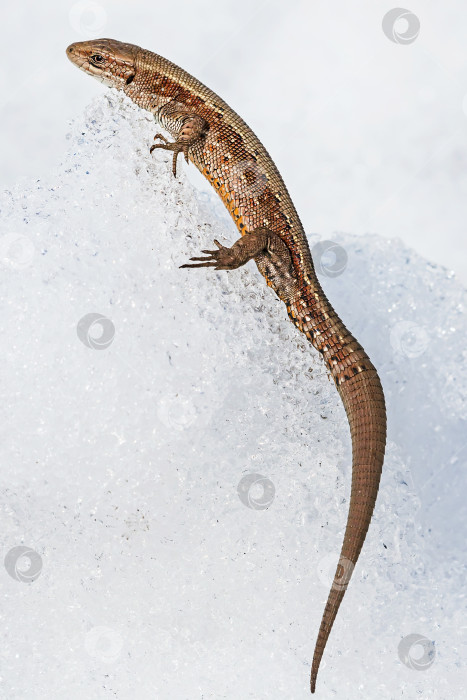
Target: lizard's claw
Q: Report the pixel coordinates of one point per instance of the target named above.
(175, 146)
(158, 145)
(221, 259)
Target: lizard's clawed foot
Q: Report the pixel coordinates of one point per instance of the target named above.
(175, 146)
(158, 136)
(221, 259)
(194, 130)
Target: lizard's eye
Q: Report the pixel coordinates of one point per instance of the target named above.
(97, 58)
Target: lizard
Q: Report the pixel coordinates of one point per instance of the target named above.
(213, 137)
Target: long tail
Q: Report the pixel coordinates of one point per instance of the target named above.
(362, 395)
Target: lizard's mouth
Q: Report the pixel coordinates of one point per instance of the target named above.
(74, 54)
(81, 56)
(112, 65)
(77, 53)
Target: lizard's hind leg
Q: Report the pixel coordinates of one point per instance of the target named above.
(243, 250)
(268, 250)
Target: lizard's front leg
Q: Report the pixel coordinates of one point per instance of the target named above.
(268, 250)
(192, 130)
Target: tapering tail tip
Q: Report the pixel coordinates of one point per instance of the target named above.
(314, 672)
(363, 400)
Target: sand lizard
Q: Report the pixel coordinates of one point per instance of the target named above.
(217, 141)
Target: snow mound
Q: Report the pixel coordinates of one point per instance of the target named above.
(176, 462)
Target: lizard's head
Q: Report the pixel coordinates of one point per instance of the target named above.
(110, 61)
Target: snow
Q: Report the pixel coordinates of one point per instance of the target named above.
(137, 401)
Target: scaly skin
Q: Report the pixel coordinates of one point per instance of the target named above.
(219, 143)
